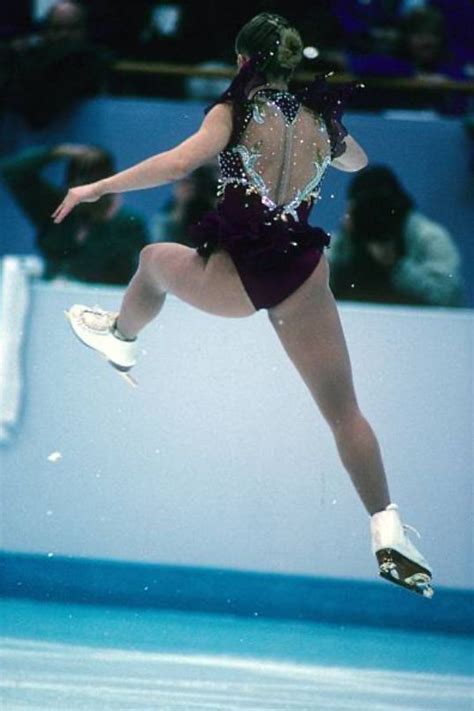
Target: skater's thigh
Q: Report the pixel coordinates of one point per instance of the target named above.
(309, 328)
(211, 285)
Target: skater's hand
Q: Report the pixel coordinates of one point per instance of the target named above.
(82, 193)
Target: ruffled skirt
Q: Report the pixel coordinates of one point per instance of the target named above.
(272, 256)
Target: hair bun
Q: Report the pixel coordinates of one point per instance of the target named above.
(290, 50)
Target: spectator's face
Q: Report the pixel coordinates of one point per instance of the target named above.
(66, 23)
(384, 253)
(424, 47)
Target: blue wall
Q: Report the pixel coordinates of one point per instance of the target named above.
(430, 155)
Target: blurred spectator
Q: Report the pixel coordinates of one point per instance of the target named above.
(151, 30)
(387, 251)
(369, 26)
(372, 26)
(114, 24)
(415, 47)
(100, 242)
(162, 39)
(65, 22)
(162, 33)
(192, 198)
(423, 44)
(50, 72)
(459, 21)
(154, 32)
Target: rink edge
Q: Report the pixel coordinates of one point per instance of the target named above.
(244, 593)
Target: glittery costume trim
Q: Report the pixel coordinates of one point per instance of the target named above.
(273, 246)
(324, 100)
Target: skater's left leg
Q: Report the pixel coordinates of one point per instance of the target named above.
(213, 286)
(308, 326)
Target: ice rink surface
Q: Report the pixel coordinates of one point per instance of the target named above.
(61, 657)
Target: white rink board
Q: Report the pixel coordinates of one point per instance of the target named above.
(220, 458)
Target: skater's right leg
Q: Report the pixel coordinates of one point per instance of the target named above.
(142, 301)
(213, 286)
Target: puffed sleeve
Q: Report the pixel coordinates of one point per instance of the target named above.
(330, 102)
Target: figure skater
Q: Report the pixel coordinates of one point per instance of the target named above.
(256, 250)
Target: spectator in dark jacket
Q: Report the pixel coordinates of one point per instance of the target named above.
(50, 72)
(101, 243)
(192, 197)
(387, 251)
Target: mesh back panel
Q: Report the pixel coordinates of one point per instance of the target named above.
(284, 158)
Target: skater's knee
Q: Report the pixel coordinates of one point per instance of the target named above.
(147, 256)
(153, 258)
(343, 416)
(162, 255)
(351, 424)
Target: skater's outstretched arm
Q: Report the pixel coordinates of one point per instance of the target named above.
(354, 157)
(166, 167)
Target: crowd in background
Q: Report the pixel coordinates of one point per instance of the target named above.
(65, 51)
(428, 39)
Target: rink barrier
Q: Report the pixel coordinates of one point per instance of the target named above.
(137, 67)
(243, 593)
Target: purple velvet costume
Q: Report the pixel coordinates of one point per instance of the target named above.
(271, 172)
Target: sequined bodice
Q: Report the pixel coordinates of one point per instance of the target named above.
(280, 153)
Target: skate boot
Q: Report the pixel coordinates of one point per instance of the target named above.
(399, 561)
(96, 329)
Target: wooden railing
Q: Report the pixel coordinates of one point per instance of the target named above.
(127, 67)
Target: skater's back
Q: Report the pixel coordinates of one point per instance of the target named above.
(284, 149)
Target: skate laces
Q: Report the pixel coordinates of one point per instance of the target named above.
(407, 527)
(97, 319)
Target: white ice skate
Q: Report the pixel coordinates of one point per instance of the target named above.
(95, 328)
(399, 561)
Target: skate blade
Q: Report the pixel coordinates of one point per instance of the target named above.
(119, 369)
(397, 569)
(123, 372)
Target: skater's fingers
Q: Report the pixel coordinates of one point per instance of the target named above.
(56, 212)
(83, 193)
(59, 214)
(64, 208)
